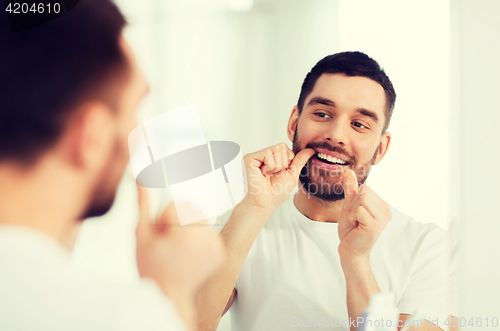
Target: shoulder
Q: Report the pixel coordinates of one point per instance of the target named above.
(405, 225)
(403, 230)
(126, 306)
(148, 308)
(81, 300)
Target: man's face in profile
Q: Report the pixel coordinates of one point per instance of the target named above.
(342, 119)
(132, 93)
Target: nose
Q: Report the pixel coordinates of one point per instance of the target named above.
(336, 133)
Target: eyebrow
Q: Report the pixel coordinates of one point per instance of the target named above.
(322, 101)
(368, 113)
(331, 103)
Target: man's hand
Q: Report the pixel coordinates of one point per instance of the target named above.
(179, 258)
(364, 215)
(272, 174)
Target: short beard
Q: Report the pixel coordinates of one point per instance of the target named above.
(324, 190)
(103, 195)
(101, 199)
(100, 205)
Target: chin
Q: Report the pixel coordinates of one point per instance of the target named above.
(326, 191)
(98, 208)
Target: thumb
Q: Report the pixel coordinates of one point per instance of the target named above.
(300, 160)
(167, 219)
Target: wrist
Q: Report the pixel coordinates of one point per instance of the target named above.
(353, 259)
(180, 297)
(184, 304)
(248, 206)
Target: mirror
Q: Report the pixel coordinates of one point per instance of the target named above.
(243, 63)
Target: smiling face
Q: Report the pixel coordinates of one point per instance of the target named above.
(342, 119)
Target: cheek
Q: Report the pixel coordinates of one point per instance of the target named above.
(126, 125)
(121, 149)
(308, 133)
(365, 153)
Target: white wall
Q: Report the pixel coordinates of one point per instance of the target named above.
(243, 69)
(476, 51)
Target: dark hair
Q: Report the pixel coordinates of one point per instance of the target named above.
(47, 71)
(350, 64)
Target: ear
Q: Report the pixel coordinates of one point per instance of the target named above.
(292, 123)
(91, 135)
(385, 141)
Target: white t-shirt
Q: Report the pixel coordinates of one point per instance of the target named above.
(292, 277)
(39, 290)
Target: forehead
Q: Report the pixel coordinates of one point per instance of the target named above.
(350, 92)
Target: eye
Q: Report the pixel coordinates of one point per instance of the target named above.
(358, 125)
(322, 115)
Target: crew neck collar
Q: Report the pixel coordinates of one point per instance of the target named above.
(303, 218)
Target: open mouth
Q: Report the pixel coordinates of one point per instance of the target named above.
(330, 159)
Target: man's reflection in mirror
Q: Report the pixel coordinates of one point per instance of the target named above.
(314, 257)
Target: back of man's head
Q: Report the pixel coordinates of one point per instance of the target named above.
(350, 64)
(47, 71)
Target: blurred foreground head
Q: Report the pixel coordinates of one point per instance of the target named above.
(69, 91)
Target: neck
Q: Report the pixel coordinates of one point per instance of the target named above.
(316, 209)
(43, 198)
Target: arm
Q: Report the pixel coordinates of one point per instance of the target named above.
(230, 302)
(238, 236)
(265, 170)
(360, 285)
(364, 216)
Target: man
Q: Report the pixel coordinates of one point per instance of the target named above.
(314, 258)
(69, 92)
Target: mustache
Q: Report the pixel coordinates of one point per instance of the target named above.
(334, 149)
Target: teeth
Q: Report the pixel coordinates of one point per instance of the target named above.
(330, 158)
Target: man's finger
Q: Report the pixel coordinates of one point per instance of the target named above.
(278, 160)
(143, 202)
(284, 158)
(269, 164)
(169, 216)
(300, 160)
(350, 185)
(363, 217)
(167, 219)
(290, 155)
